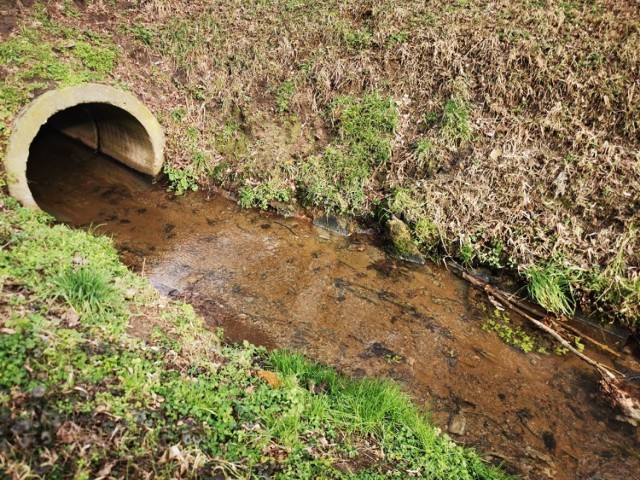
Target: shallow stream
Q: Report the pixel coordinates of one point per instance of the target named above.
(285, 283)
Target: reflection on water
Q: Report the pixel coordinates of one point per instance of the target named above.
(341, 300)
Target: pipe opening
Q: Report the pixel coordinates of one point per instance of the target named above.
(53, 136)
(61, 166)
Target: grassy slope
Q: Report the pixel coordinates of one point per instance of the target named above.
(503, 134)
(101, 377)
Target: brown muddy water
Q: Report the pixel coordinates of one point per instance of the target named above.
(285, 283)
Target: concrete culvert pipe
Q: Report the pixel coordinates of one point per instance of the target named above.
(104, 118)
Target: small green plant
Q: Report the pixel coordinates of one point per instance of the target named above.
(467, 253)
(262, 195)
(427, 234)
(431, 118)
(335, 181)
(552, 286)
(177, 115)
(365, 125)
(423, 149)
(397, 38)
(283, 96)
(357, 39)
(494, 255)
(393, 358)
(425, 157)
(456, 127)
(84, 288)
(143, 33)
(181, 180)
(500, 323)
(98, 59)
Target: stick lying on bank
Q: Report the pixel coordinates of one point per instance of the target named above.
(611, 383)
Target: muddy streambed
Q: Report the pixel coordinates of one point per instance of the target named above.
(285, 283)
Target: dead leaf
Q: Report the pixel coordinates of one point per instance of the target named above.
(68, 432)
(105, 471)
(270, 377)
(175, 453)
(70, 318)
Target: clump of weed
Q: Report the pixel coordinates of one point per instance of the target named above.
(197, 163)
(513, 335)
(283, 96)
(424, 157)
(99, 59)
(467, 253)
(357, 39)
(427, 234)
(84, 288)
(552, 287)
(336, 180)
(181, 180)
(264, 194)
(365, 125)
(456, 128)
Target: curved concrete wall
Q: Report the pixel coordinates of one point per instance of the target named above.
(101, 117)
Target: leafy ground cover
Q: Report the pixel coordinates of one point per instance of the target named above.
(503, 134)
(100, 377)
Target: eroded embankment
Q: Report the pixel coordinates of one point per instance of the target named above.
(284, 283)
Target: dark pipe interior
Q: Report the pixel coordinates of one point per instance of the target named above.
(69, 146)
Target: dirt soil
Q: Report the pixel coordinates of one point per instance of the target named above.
(343, 301)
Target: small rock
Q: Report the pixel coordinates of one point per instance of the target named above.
(403, 243)
(334, 223)
(38, 392)
(457, 424)
(79, 260)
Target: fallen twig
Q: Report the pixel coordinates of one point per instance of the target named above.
(610, 382)
(287, 227)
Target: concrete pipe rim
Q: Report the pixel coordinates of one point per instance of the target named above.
(36, 114)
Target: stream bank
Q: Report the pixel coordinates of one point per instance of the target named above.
(341, 300)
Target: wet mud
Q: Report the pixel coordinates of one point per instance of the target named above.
(286, 283)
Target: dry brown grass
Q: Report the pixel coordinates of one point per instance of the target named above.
(551, 90)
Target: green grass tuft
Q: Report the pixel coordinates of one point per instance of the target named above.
(456, 127)
(85, 289)
(552, 287)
